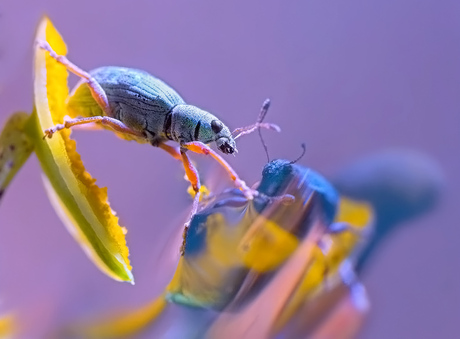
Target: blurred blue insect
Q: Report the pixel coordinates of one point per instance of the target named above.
(223, 238)
(235, 246)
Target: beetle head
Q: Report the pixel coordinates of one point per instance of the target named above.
(202, 126)
(224, 140)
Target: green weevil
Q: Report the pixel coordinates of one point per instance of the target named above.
(135, 103)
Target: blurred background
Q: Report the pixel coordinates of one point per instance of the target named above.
(347, 78)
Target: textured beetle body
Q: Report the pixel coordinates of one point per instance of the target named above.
(148, 105)
(138, 106)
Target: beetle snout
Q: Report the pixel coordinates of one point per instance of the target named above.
(226, 146)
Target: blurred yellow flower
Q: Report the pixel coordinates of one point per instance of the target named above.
(7, 326)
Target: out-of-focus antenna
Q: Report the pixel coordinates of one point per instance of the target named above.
(301, 156)
(262, 114)
(239, 132)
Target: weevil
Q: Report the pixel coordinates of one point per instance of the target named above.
(135, 103)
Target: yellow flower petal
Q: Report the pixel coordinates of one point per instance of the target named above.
(122, 324)
(7, 326)
(80, 203)
(205, 192)
(266, 246)
(341, 245)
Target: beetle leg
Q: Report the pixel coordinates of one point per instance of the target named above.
(191, 172)
(96, 90)
(173, 151)
(200, 148)
(115, 124)
(193, 177)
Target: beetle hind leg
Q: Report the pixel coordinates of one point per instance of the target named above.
(96, 90)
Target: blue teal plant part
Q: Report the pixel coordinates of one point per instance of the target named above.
(400, 184)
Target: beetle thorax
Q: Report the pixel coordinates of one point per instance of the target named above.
(190, 123)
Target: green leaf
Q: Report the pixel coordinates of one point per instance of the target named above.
(79, 202)
(15, 148)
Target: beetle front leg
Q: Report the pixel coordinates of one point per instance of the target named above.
(191, 172)
(193, 177)
(200, 148)
(96, 90)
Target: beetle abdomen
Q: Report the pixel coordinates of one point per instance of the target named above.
(136, 88)
(136, 98)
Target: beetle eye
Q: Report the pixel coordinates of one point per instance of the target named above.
(216, 126)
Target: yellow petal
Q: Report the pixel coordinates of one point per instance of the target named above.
(266, 246)
(80, 203)
(205, 192)
(122, 324)
(7, 326)
(256, 319)
(15, 148)
(342, 245)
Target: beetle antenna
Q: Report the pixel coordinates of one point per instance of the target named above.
(262, 114)
(264, 144)
(239, 132)
(301, 156)
(263, 111)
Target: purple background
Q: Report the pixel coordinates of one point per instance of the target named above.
(349, 78)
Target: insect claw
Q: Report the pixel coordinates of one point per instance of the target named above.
(48, 133)
(43, 44)
(249, 193)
